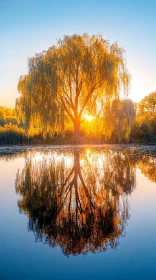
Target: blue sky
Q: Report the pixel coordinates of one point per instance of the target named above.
(31, 26)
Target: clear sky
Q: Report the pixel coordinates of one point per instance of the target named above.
(31, 26)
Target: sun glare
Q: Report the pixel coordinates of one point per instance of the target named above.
(89, 118)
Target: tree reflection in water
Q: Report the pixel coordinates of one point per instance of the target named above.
(76, 200)
(147, 165)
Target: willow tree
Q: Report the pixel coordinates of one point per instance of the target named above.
(123, 117)
(77, 74)
(23, 104)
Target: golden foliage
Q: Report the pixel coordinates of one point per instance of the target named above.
(71, 78)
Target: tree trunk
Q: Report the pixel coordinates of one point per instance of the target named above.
(120, 138)
(77, 130)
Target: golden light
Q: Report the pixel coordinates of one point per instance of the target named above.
(89, 118)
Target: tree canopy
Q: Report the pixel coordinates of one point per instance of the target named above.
(7, 115)
(71, 78)
(145, 125)
(148, 104)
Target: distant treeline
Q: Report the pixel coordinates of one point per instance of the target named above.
(10, 131)
(12, 135)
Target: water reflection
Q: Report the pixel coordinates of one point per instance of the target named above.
(147, 165)
(76, 200)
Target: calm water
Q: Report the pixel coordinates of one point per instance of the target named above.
(78, 212)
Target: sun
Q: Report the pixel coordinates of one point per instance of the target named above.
(89, 118)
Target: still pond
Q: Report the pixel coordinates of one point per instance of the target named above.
(78, 212)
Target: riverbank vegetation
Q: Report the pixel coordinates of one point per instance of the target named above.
(72, 94)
